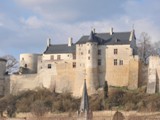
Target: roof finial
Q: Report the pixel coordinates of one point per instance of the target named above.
(91, 37)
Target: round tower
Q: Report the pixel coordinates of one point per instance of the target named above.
(92, 64)
(2, 68)
(29, 62)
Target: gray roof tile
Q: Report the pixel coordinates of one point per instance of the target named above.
(60, 48)
(107, 39)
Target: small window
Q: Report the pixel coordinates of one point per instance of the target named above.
(81, 53)
(121, 62)
(89, 51)
(52, 57)
(25, 65)
(115, 61)
(58, 57)
(49, 66)
(115, 51)
(99, 62)
(74, 64)
(88, 58)
(99, 52)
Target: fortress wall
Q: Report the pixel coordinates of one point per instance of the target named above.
(154, 63)
(24, 82)
(80, 69)
(118, 75)
(2, 76)
(102, 67)
(60, 77)
(133, 72)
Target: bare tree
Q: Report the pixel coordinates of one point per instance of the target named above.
(145, 48)
(157, 48)
(12, 63)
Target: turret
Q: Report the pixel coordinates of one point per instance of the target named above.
(28, 63)
(91, 63)
(2, 68)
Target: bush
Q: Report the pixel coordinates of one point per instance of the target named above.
(39, 109)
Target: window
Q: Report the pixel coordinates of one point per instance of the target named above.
(88, 58)
(89, 51)
(68, 55)
(121, 62)
(52, 57)
(99, 62)
(58, 57)
(115, 51)
(99, 52)
(49, 66)
(115, 61)
(25, 65)
(74, 64)
(81, 53)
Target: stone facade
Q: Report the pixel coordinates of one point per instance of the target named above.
(97, 58)
(153, 85)
(2, 76)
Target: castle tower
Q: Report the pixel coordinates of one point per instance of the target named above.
(28, 63)
(91, 67)
(2, 77)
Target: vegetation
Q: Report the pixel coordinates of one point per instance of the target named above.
(41, 101)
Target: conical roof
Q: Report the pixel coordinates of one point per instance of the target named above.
(92, 37)
(84, 101)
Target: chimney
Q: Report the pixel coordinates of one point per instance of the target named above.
(48, 42)
(94, 30)
(70, 41)
(111, 31)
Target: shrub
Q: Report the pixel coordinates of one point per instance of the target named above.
(39, 109)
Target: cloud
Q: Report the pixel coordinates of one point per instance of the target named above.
(32, 22)
(59, 19)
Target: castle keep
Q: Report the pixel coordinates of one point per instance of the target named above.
(97, 57)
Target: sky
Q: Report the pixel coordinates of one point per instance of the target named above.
(25, 25)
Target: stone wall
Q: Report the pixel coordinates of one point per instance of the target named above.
(153, 74)
(60, 77)
(118, 75)
(133, 72)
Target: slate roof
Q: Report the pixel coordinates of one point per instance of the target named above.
(60, 48)
(117, 38)
(2, 59)
(107, 39)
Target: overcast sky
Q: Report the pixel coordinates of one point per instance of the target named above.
(25, 25)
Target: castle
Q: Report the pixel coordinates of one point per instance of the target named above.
(97, 57)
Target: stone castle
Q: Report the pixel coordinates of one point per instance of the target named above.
(97, 57)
